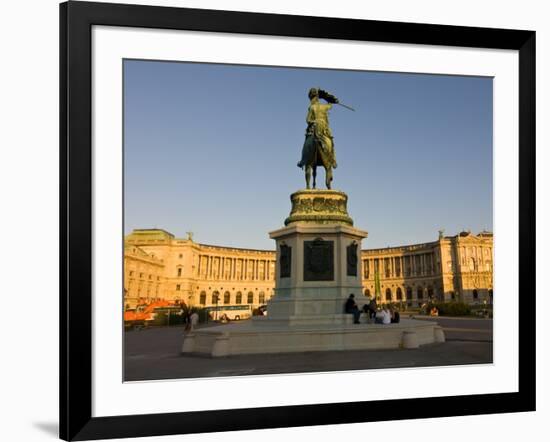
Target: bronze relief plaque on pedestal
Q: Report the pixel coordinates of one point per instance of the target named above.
(318, 260)
(352, 259)
(285, 261)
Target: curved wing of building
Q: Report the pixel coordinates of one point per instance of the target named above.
(157, 265)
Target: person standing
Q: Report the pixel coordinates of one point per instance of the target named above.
(194, 319)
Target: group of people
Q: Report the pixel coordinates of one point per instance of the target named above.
(382, 315)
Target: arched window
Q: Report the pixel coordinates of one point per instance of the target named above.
(475, 294)
(179, 271)
(399, 294)
(261, 299)
(430, 292)
(250, 298)
(367, 292)
(409, 293)
(226, 298)
(388, 294)
(239, 298)
(215, 297)
(420, 293)
(202, 298)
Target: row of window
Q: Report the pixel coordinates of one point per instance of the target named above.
(419, 294)
(256, 271)
(216, 299)
(399, 293)
(142, 275)
(392, 266)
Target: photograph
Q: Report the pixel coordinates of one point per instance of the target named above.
(286, 220)
(267, 221)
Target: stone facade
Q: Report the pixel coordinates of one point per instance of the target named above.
(456, 267)
(143, 275)
(159, 265)
(201, 274)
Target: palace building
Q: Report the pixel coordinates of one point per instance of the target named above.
(157, 265)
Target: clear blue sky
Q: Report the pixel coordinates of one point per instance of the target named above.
(213, 149)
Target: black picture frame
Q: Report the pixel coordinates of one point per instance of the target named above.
(76, 21)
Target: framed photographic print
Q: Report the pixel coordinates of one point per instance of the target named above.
(260, 213)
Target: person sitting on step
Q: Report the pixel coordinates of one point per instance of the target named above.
(351, 308)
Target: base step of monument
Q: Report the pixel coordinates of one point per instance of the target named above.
(251, 338)
(309, 320)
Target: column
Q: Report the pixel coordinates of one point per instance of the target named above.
(262, 268)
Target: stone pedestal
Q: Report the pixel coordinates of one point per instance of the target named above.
(318, 267)
(318, 261)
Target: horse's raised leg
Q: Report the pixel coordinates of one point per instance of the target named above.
(308, 177)
(328, 177)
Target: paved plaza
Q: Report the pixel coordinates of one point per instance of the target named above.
(155, 354)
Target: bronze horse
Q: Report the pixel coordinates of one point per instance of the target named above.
(318, 147)
(314, 154)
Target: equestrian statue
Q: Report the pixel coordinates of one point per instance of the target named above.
(318, 147)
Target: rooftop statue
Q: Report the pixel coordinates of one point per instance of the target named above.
(318, 147)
